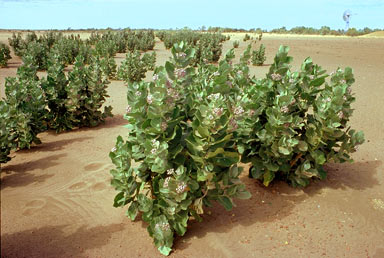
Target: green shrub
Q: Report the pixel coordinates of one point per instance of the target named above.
(15, 131)
(258, 56)
(180, 153)
(109, 67)
(37, 54)
(236, 44)
(150, 60)
(5, 55)
(133, 68)
(297, 122)
(106, 48)
(55, 87)
(17, 43)
(86, 93)
(246, 37)
(25, 96)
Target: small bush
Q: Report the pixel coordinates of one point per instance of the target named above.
(87, 93)
(25, 96)
(236, 44)
(5, 55)
(133, 68)
(246, 37)
(258, 56)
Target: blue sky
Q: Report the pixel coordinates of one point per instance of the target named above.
(269, 14)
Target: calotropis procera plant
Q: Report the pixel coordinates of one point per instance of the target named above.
(25, 95)
(297, 122)
(5, 55)
(134, 67)
(180, 153)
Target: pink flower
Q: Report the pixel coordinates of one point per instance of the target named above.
(181, 187)
(276, 77)
(284, 109)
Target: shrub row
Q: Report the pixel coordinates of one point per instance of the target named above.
(208, 46)
(104, 45)
(59, 102)
(126, 40)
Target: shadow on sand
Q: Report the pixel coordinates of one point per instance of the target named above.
(54, 241)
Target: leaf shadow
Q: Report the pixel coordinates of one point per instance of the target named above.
(53, 241)
(54, 145)
(17, 175)
(116, 120)
(277, 201)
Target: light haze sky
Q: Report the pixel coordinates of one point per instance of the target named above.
(157, 14)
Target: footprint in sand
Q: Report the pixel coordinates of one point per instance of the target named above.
(99, 186)
(78, 186)
(33, 206)
(96, 181)
(93, 166)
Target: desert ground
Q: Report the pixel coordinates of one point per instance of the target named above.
(56, 198)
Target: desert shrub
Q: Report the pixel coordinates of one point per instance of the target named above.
(55, 87)
(352, 32)
(125, 40)
(208, 48)
(187, 36)
(207, 45)
(17, 43)
(297, 122)
(106, 48)
(150, 60)
(258, 56)
(133, 67)
(37, 53)
(246, 37)
(86, 93)
(5, 55)
(69, 48)
(180, 154)
(109, 67)
(14, 130)
(25, 95)
(260, 35)
(236, 44)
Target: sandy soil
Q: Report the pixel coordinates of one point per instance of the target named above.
(56, 200)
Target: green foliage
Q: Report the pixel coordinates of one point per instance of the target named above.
(86, 93)
(180, 153)
(17, 43)
(126, 40)
(109, 67)
(5, 55)
(37, 53)
(246, 37)
(133, 68)
(106, 48)
(149, 60)
(207, 45)
(297, 122)
(25, 97)
(55, 87)
(353, 32)
(258, 56)
(236, 44)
